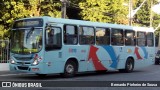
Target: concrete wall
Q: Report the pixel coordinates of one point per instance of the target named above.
(4, 66)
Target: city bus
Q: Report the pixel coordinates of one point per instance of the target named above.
(47, 45)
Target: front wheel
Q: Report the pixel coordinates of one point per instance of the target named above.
(69, 69)
(129, 66)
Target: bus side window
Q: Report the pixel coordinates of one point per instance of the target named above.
(117, 37)
(86, 35)
(150, 39)
(70, 34)
(130, 39)
(102, 36)
(53, 38)
(141, 38)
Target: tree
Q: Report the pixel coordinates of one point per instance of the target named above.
(143, 16)
(73, 9)
(11, 10)
(111, 11)
(15, 9)
(44, 8)
(2, 32)
(51, 8)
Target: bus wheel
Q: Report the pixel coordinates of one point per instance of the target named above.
(70, 69)
(129, 66)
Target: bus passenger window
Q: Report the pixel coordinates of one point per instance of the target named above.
(130, 38)
(102, 36)
(86, 35)
(117, 37)
(70, 34)
(141, 38)
(150, 39)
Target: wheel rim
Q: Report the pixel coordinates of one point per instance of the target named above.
(70, 69)
(129, 66)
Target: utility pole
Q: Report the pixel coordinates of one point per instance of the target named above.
(151, 15)
(63, 8)
(130, 12)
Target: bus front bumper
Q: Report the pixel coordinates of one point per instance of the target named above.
(24, 68)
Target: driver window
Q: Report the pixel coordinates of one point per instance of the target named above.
(53, 38)
(50, 34)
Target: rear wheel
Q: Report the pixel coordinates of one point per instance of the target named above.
(69, 69)
(129, 66)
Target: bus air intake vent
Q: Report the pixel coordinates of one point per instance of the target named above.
(24, 58)
(22, 68)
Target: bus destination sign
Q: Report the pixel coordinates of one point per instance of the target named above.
(28, 23)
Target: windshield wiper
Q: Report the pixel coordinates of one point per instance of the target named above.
(29, 33)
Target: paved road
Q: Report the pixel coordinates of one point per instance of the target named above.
(151, 73)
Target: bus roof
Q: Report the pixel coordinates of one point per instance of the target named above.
(89, 23)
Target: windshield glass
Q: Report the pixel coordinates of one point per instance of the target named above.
(26, 41)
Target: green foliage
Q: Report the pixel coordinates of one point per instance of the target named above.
(111, 11)
(43, 8)
(11, 10)
(51, 8)
(143, 16)
(2, 31)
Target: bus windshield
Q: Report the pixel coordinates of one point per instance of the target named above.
(26, 41)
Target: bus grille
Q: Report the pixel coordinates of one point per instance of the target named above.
(23, 63)
(22, 68)
(24, 58)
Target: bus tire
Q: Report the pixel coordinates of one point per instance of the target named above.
(69, 69)
(129, 66)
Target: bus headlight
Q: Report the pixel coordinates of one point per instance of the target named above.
(12, 61)
(35, 62)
